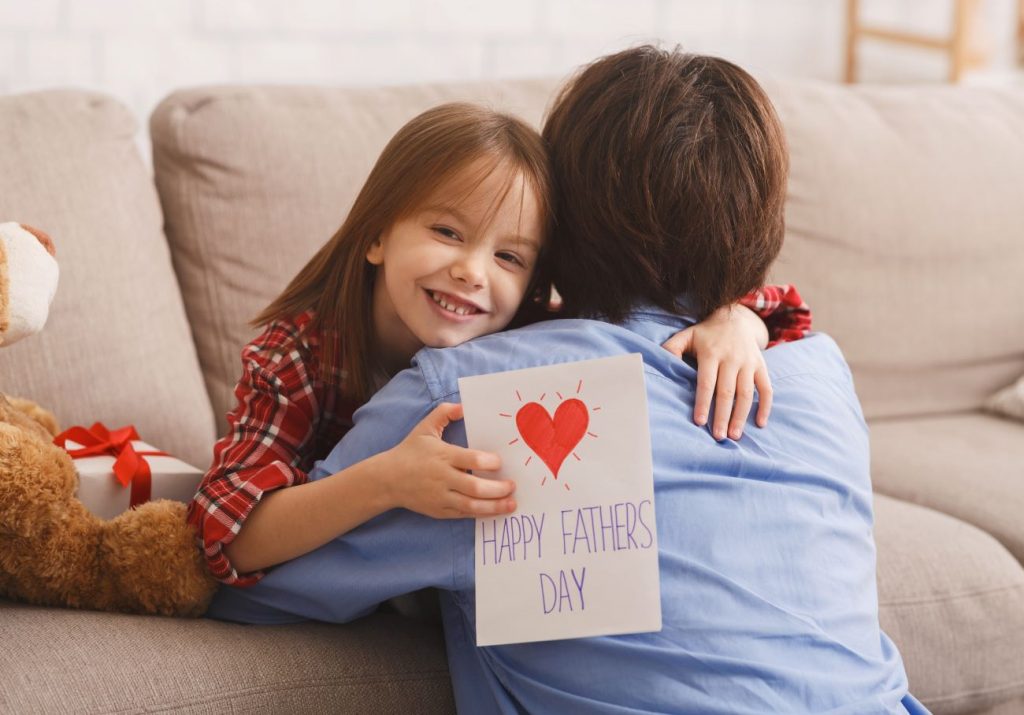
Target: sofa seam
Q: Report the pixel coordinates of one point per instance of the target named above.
(210, 287)
(951, 597)
(967, 694)
(224, 694)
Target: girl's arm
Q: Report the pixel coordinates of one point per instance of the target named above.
(728, 345)
(277, 410)
(784, 312)
(423, 474)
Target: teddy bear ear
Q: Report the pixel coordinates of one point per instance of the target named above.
(43, 238)
(5, 290)
(28, 282)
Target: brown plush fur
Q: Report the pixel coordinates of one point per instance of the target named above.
(54, 552)
(5, 308)
(38, 417)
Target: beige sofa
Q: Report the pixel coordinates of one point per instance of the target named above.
(906, 235)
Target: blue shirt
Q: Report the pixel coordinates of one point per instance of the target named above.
(766, 554)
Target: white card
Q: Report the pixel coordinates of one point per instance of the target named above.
(579, 556)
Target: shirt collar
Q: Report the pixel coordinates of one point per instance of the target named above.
(651, 321)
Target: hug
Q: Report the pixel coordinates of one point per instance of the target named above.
(643, 223)
(662, 204)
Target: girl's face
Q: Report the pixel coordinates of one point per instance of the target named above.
(455, 269)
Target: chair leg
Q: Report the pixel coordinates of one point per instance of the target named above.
(852, 29)
(1020, 32)
(958, 45)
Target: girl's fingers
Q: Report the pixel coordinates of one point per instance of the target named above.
(439, 418)
(680, 343)
(744, 400)
(764, 395)
(469, 507)
(463, 458)
(706, 373)
(480, 487)
(724, 392)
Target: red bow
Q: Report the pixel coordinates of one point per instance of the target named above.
(129, 465)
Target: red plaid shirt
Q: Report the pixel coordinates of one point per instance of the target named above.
(783, 310)
(288, 417)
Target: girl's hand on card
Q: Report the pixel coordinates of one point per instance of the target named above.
(427, 475)
(730, 365)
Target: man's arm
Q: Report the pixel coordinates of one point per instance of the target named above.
(392, 554)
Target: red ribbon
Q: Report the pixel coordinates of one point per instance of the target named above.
(130, 467)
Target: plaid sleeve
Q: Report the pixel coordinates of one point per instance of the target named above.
(269, 428)
(783, 311)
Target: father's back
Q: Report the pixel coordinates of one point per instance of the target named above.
(766, 555)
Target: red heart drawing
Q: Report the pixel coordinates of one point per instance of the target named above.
(553, 439)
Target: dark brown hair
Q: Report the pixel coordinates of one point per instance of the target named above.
(670, 173)
(426, 155)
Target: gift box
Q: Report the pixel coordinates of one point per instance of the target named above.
(118, 471)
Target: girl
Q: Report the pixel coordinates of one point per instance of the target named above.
(442, 244)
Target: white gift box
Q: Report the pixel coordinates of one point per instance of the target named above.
(103, 494)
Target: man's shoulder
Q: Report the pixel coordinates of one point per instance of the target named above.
(816, 354)
(546, 343)
(811, 374)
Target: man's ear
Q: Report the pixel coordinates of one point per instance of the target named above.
(375, 253)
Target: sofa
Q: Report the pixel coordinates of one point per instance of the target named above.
(905, 234)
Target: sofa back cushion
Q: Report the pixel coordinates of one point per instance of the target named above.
(117, 347)
(905, 233)
(904, 222)
(255, 179)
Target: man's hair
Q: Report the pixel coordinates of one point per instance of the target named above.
(670, 173)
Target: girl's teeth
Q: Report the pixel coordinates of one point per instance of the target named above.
(448, 306)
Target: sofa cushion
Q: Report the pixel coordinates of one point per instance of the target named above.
(109, 662)
(904, 235)
(952, 599)
(117, 347)
(254, 180)
(970, 466)
(1009, 401)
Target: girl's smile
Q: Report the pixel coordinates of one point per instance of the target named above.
(454, 307)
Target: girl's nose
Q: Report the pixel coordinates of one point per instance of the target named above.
(469, 270)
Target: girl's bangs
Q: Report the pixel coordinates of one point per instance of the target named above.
(460, 183)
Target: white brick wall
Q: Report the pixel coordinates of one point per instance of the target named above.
(57, 61)
(41, 15)
(139, 50)
(134, 16)
(474, 18)
(601, 18)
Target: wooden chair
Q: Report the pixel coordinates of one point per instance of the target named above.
(1020, 32)
(956, 45)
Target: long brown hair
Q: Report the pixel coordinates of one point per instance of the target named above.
(427, 153)
(670, 174)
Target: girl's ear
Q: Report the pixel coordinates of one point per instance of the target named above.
(375, 253)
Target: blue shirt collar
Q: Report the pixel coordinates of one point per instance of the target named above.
(651, 321)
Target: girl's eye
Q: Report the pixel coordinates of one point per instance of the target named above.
(446, 232)
(511, 258)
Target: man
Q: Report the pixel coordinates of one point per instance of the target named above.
(671, 181)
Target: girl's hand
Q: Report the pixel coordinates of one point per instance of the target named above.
(728, 347)
(427, 475)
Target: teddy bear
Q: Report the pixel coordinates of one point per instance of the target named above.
(53, 550)
(28, 280)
